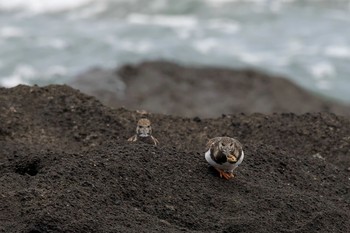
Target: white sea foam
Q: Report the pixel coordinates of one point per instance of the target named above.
(183, 33)
(219, 3)
(250, 58)
(25, 74)
(56, 70)
(206, 45)
(140, 47)
(337, 51)
(26, 71)
(224, 25)
(11, 32)
(20, 75)
(322, 70)
(322, 73)
(90, 11)
(163, 20)
(42, 6)
(11, 81)
(56, 43)
(247, 32)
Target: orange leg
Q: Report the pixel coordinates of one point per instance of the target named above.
(133, 138)
(226, 175)
(155, 141)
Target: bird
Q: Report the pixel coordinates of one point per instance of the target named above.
(225, 154)
(144, 132)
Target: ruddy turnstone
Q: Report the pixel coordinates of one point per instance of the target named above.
(224, 154)
(144, 132)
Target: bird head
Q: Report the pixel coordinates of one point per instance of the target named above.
(229, 149)
(143, 128)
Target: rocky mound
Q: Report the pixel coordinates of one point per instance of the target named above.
(168, 88)
(65, 166)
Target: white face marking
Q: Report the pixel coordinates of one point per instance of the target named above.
(144, 128)
(228, 149)
(143, 131)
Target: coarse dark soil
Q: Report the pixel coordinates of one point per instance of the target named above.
(66, 166)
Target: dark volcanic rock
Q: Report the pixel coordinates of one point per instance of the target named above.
(65, 166)
(168, 88)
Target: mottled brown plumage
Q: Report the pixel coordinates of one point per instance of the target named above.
(224, 154)
(144, 132)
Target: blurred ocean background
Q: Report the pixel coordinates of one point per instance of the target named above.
(51, 41)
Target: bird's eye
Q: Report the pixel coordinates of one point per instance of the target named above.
(231, 144)
(148, 126)
(223, 144)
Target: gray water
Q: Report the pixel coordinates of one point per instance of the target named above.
(45, 42)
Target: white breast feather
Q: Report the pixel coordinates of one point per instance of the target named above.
(228, 167)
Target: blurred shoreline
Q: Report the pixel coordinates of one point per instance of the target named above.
(49, 42)
(169, 88)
